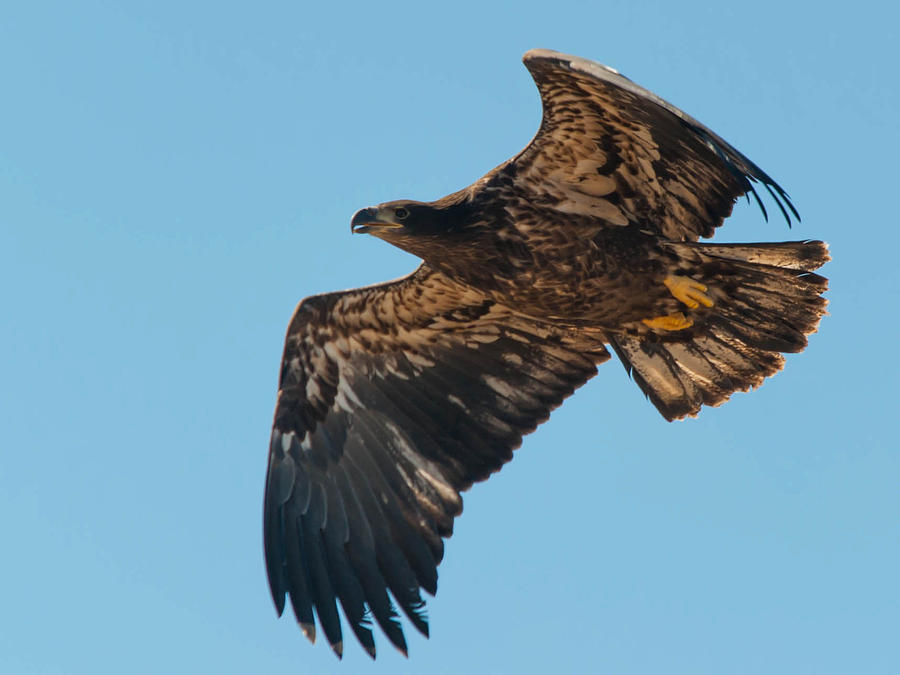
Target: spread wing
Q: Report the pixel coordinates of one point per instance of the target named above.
(611, 149)
(393, 399)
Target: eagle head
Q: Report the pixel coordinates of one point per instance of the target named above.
(429, 230)
(397, 218)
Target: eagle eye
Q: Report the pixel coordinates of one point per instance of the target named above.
(400, 213)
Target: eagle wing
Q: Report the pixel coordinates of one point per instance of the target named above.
(609, 148)
(393, 399)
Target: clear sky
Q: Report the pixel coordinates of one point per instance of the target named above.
(175, 177)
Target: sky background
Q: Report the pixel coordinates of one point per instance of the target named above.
(175, 177)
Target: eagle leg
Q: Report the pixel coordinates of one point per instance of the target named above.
(688, 291)
(676, 321)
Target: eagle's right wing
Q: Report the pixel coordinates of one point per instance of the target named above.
(393, 399)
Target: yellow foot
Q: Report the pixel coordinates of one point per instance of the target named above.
(688, 291)
(676, 321)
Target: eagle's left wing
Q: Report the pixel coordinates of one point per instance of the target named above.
(392, 400)
(610, 149)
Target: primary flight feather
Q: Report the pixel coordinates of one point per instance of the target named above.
(395, 398)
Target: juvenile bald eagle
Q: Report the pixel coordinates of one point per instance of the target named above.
(395, 398)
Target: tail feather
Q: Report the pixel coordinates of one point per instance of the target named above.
(797, 255)
(767, 300)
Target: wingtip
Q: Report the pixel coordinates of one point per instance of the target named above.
(371, 651)
(541, 53)
(338, 648)
(309, 630)
(577, 62)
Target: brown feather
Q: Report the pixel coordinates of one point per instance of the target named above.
(395, 398)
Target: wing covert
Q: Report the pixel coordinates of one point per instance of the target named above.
(392, 400)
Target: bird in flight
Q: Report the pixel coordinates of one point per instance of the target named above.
(394, 398)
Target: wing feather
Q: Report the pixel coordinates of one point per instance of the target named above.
(297, 574)
(311, 524)
(610, 149)
(393, 399)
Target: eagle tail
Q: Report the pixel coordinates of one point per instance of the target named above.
(767, 300)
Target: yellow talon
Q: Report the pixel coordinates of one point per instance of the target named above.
(688, 291)
(676, 321)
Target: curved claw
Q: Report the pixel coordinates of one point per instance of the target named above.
(676, 321)
(688, 291)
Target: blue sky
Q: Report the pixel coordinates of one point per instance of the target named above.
(175, 177)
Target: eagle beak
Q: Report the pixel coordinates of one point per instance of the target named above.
(369, 220)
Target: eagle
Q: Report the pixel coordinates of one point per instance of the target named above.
(395, 398)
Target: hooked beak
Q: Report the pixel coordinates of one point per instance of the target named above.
(370, 220)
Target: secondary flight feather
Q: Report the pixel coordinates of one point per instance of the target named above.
(395, 398)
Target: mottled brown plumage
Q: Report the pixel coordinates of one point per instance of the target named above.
(395, 398)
